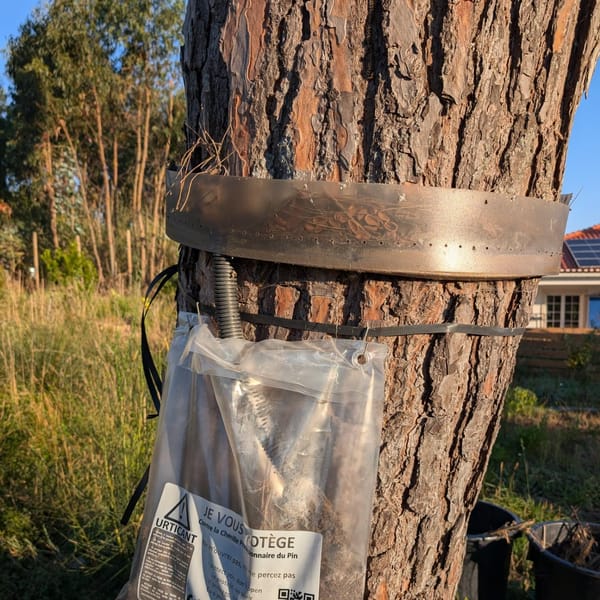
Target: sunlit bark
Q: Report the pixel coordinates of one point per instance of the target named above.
(476, 95)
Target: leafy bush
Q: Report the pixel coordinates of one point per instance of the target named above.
(520, 402)
(12, 247)
(581, 356)
(69, 265)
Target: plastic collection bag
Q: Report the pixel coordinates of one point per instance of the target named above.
(264, 469)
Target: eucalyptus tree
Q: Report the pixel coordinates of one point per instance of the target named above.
(95, 100)
(4, 137)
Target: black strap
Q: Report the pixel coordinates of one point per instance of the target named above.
(135, 496)
(363, 332)
(153, 379)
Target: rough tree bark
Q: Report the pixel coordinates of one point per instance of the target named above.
(467, 94)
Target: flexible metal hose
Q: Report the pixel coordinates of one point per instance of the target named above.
(228, 314)
(230, 326)
(311, 445)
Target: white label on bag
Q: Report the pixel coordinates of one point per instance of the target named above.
(199, 550)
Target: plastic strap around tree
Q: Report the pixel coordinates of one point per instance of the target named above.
(135, 496)
(373, 332)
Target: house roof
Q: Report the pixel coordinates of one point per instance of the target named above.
(590, 233)
(568, 264)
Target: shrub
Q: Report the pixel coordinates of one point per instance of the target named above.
(520, 402)
(581, 356)
(69, 266)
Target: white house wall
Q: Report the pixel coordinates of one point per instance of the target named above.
(584, 285)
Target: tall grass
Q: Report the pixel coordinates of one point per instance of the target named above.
(74, 437)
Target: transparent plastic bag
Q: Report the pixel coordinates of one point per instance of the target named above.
(264, 469)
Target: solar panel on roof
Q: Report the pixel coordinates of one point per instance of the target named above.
(586, 252)
(584, 242)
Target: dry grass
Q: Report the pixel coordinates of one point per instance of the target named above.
(74, 438)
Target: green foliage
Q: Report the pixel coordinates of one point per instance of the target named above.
(578, 389)
(12, 247)
(68, 266)
(74, 438)
(85, 78)
(543, 467)
(582, 354)
(520, 402)
(543, 463)
(5, 136)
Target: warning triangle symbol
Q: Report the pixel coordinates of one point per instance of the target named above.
(179, 513)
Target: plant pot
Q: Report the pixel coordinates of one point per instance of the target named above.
(555, 577)
(487, 559)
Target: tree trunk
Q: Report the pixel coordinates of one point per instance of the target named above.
(144, 112)
(83, 190)
(114, 195)
(49, 187)
(158, 202)
(476, 95)
(106, 187)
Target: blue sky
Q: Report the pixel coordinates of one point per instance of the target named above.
(582, 174)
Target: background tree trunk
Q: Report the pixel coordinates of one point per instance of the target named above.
(83, 190)
(49, 187)
(476, 95)
(141, 160)
(107, 187)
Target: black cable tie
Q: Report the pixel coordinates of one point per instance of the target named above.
(373, 332)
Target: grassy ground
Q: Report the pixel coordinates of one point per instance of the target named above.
(544, 462)
(74, 440)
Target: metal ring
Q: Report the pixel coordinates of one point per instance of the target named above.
(400, 229)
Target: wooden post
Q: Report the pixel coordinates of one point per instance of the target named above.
(78, 243)
(36, 260)
(129, 258)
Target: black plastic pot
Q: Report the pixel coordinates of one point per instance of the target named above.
(556, 578)
(487, 560)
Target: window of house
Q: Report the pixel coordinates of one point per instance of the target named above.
(553, 311)
(562, 311)
(594, 313)
(571, 311)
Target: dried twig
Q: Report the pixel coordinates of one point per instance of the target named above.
(579, 545)
(511, 530)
